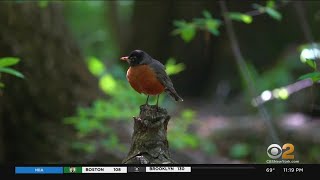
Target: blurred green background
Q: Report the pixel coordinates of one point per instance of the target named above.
(64, 97)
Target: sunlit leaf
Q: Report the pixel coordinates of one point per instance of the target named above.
(190, 140)
(173, 68)
(188, 32)
(312, 64)
(283, 93)
(271, 4)
(188, 114)
(315, 76)
(12, 72)
(240, 17)
(8, 61)
(186, 140)
(93, 124)
(174, 142)
(108, 84)
(2, 85)
(310, 56)
(273, 13)
(212, 26)
(96, 67)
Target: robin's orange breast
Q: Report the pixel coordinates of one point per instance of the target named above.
(144, 80)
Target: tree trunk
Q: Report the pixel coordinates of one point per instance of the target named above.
(149, 139)
(56, 82)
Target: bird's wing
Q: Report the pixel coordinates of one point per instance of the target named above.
(157, 64)
(162, 76)
(164, 79)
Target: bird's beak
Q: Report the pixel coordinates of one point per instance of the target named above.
(125, 58)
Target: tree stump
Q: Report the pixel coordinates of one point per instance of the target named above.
(149, 140)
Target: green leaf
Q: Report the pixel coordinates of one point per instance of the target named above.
(173, 68)
(12, 72)
(240, 17)
(108, 84)
(207, 14)
(273, 13)
(96, 67)
(188, 114)
(186, 140)
(188, 32)
(312, 64)
(8, 61)
(212, 26)
(190, 140)
(2, 85)
(270, 4)
(315, 76)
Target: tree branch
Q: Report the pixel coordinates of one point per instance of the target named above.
(244, 70)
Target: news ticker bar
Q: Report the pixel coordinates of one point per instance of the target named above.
(97, 169)
(122, 169)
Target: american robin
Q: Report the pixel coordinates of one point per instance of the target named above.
(148, 76)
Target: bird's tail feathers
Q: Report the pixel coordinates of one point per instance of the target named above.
(173, 94)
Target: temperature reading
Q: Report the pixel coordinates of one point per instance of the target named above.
(270, 169)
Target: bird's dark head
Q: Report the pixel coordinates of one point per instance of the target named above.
(137, 57)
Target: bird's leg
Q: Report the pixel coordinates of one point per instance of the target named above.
(157, 101)
(147, 100)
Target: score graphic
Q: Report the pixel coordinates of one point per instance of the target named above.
(274, 151)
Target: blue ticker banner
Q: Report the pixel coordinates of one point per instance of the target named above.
(39, 170)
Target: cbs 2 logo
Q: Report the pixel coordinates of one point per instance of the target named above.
(274, 151)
